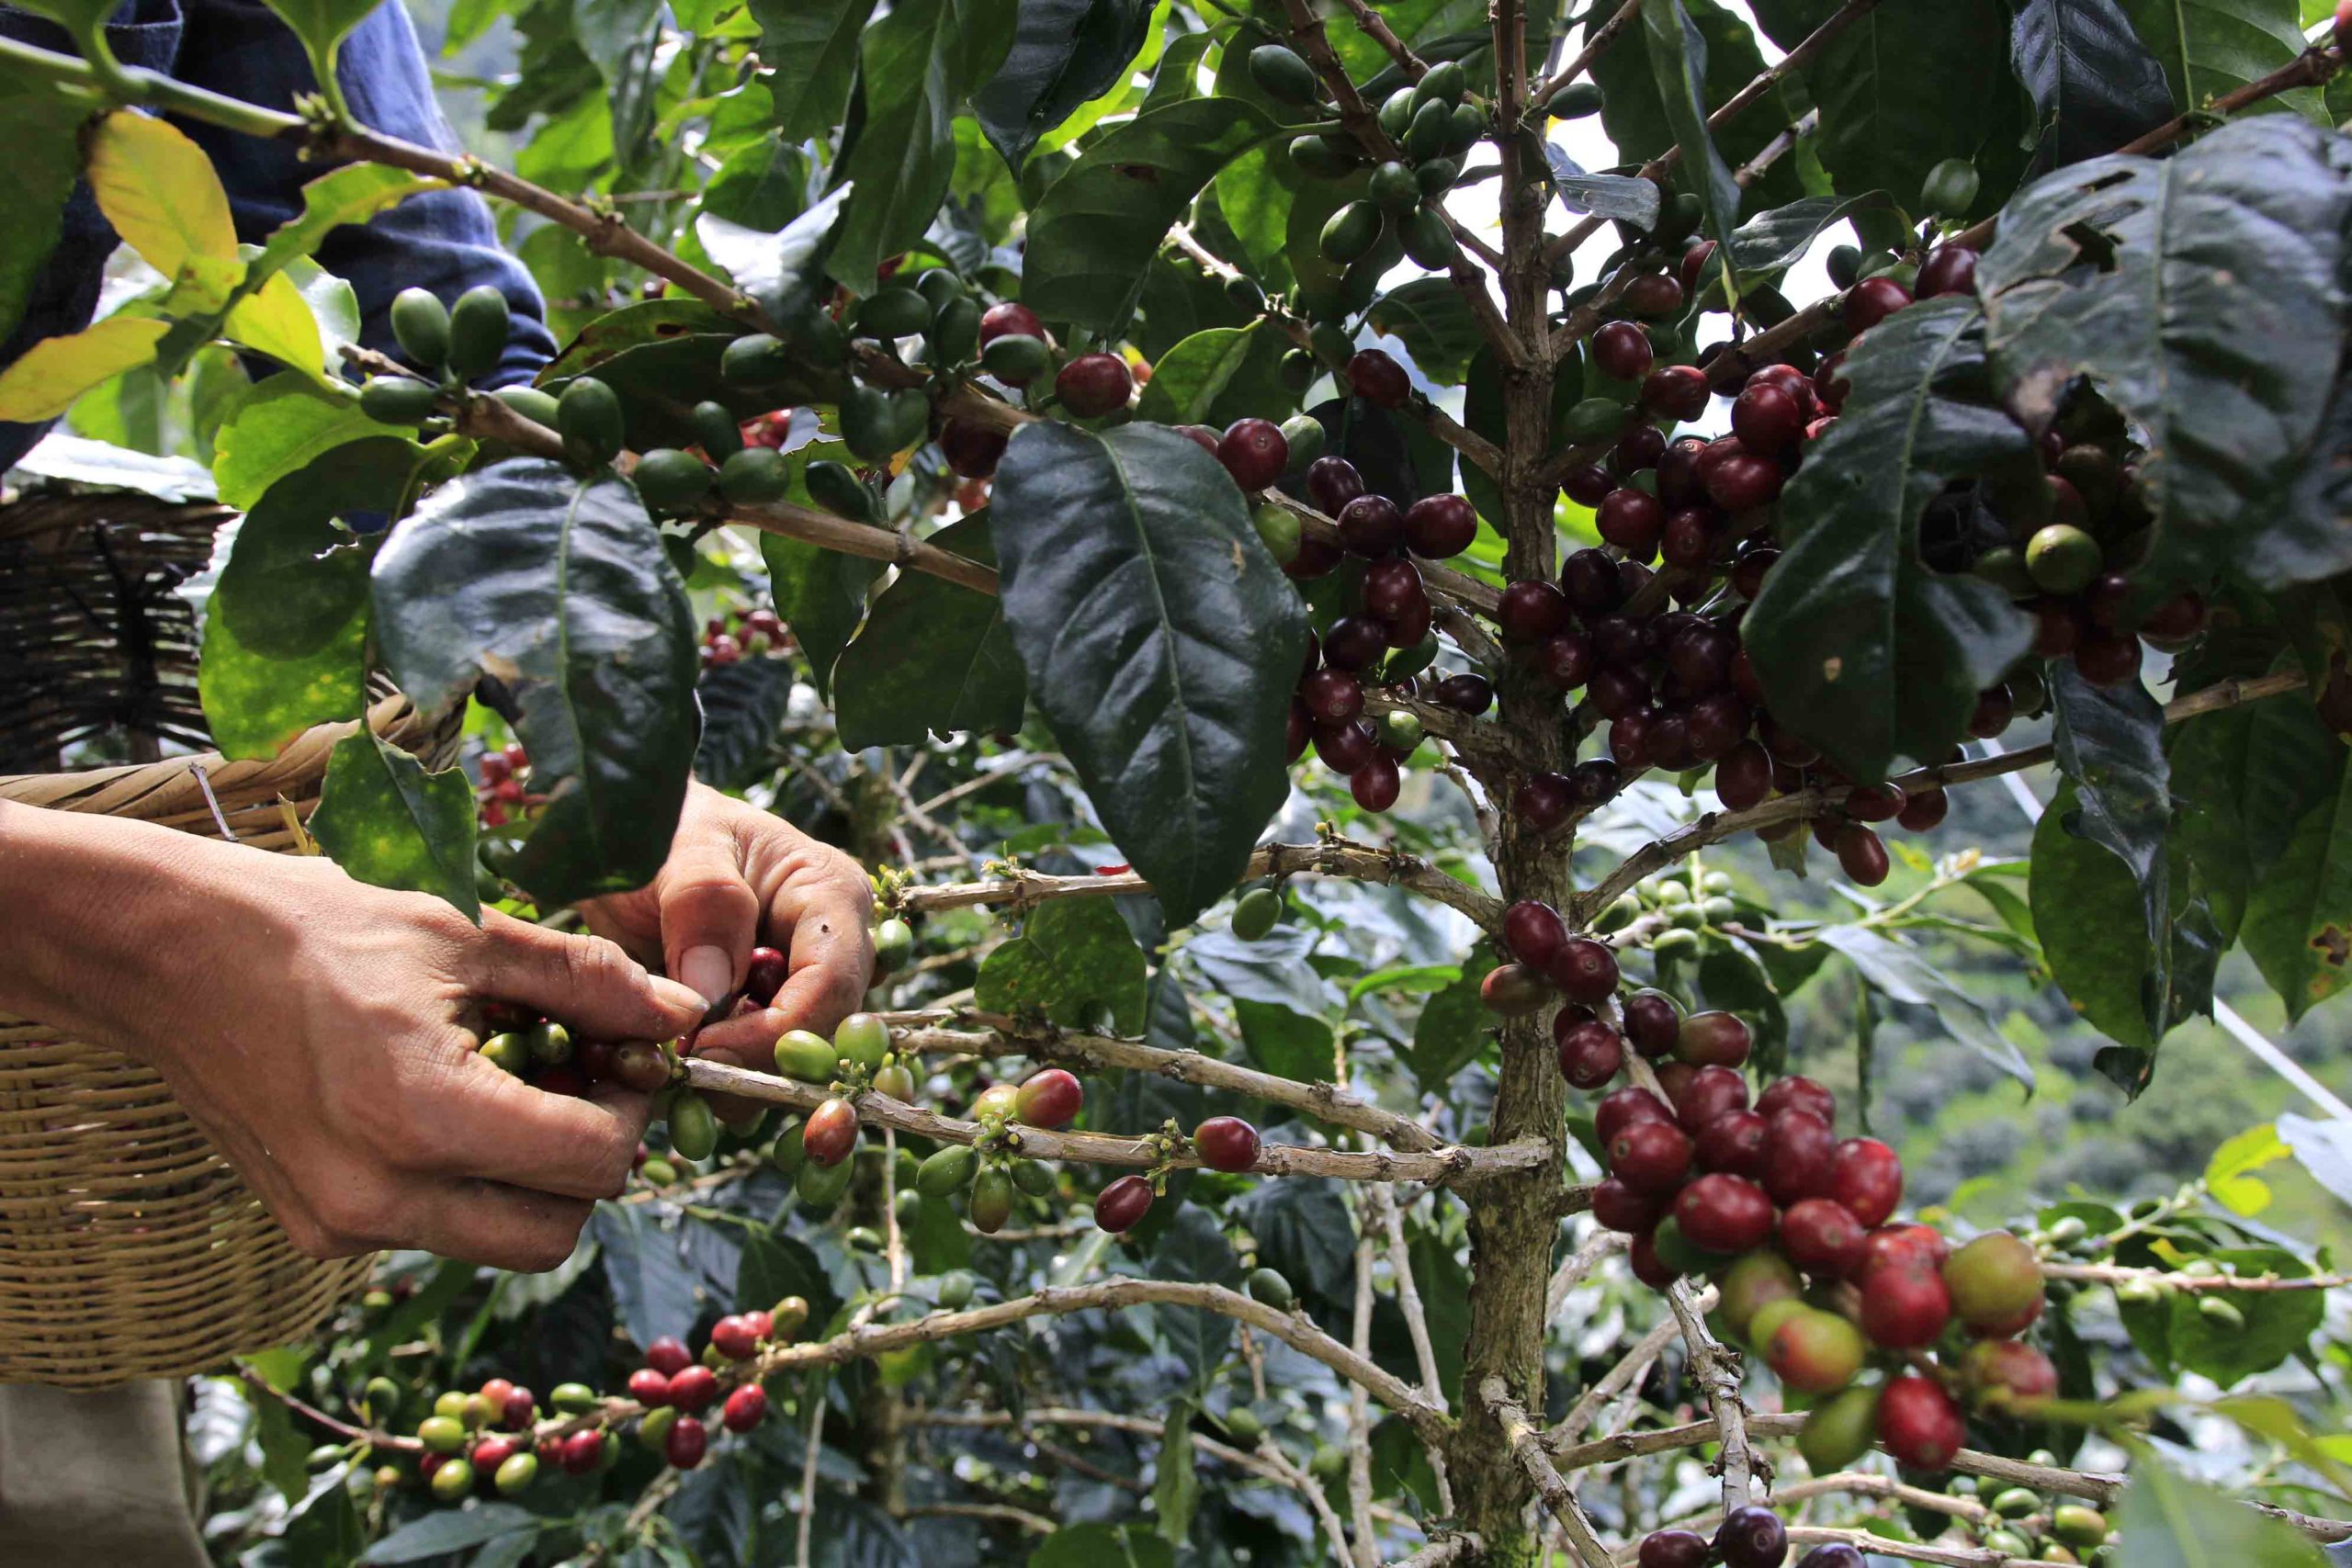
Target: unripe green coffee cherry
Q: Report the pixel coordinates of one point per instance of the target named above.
(1246, 294)
(1303, 433)
(573, 1398)
(947, 1172)
(516, 1472)
(441, 1434)
(507, 1053)
(1444, 84)
(421, 326)
(2016, 1503)
(1242, 1424)
(1328, 1463)
(454, 1481)
(670, 481)
(755, 359)
(821, 1186)
(863, 1039)
(1016, 358)
(653, 1432)
(892, 312)
(954, 1290)
(1255, 913)
(1432, 131)
(992, 1201)
(1350, 232)
(478, 325)
(658, 1172)
(382, 1398)
(788, 1153)
(1396, 111)
(955, 333)
(588, 416)
(1268, 1288)
(755, 477)
(1279, 530)
(1429, 239)
(1951, 188)
(1404, 663)
(1400, 731)
(1437, 176)
(1576, 101)
(1281, 73)
(1321, 157)
(530, 402)
(694, 1131)
(808, 1057)
(1033, 1178)
(396, 399)
(451, 1404)
(1395, 187)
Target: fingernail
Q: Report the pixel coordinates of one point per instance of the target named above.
(709, 970)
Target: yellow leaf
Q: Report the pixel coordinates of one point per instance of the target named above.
(277, 322)
(159, 191)
(53, 373)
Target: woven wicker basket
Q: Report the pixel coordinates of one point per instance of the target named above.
(128, 1247)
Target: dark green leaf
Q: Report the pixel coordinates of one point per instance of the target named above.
(439, 1534)
(2243, 779)
(1678, 62)
(556, 588)
(935, 1238)
(1634, 114)
(783, 270)
(2279, 1324)
(1434, 321)
(1305, 1233)
(1075, 963)
(2109, 741)
(390, 824)
(810, 50)
(2299, 918)
(1192, 1249)
(743, 704)
(654, 1292)
(1064, 53)
(821, 595)
(1770, 242)
(1094, 232)
(1176, 1487)
(2170, 1522)
(2211, 47)
(1455, 1026)
(916, 66)
(284, 641)
(1217, 377)
(634, 326)
(931, 657)
(1900, 972)
(1284, 1041)
(40, 129)
(2220, 271)
(1148, 615)
(279, 427)
(762, 185)
(1862, 649)
(2094, 84)
(322, 25)
(1104, 1546)
(775, 1266)
(2308, 534)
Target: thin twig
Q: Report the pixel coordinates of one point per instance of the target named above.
(1367, 1548)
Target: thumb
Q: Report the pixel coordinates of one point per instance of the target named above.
(710, 917)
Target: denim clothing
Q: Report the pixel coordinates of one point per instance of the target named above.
(443, 240)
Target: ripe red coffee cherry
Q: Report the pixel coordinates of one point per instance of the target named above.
(1513, 991)
(1862, 855)
(1992, 1279)
(971, 450)
(1533, 932)
(1632, 520)
(1699, 657)
(1638, 448)
(2008, 1370)
(1835, 1554)
(1923, 811)
(1202, 437)
(640, 1066)
(1254, 451)
(1744, 777)
(693, 1388)
(2107, 659)
(1595, 780)
(1354, 642)
(1693, 263)
(1094, 384)
(1589, 578)
(1822, 1236)
(1440, 526)
(1767, 417)
(1652, 294)
(1725, 1214)
(1868, 1179)
(1800, 1157)
(1950, 269)
(1316, 559)
(1650, 1157)
(1226, 1142)
(2175, 620)
(1712, 1092)
(735, 1338)
(1674, 1549)
(1676, 391)
(1332, 696)
(1392, 588)
(1622, 1108)
(1648, 1268)
(1874, 803)
(1653, 1022)
(491, 1452)
(1904, 1305)
(1748, 574)
(1590, 1054)
(1618, 692)
(1121, 1206)
(1530, 612)
(583, 1452)
(1377, 784)
(1050, 1099)
(1629, 735)
(1370, 526)
(649, 1386)
(1688, 538)
(1734, 1142)
(1622, 351)
(1712, 1039)
(1468, 693)
(831, 1131)
(1919, 1422)
(1587, 484)
(1585, 970)
(1872, 300)
(686, 1443)
(745, 1408)
(1620, 1208)
(1008, 320)
(1543, 802)
(1914, 1245)
(1344, 748)
(668, 1355)
(1797, 1092)
(1743, 482)
(1379, 379)
(1331, 483)
(1568, 659)
(763, 976)
(1813, 1352)
(1714, 725)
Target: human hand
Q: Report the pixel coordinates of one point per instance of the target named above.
(737, 877)
(323, 1033)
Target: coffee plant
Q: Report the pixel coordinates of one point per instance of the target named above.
(1006, 438)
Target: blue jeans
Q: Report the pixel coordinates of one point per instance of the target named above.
(443, 240)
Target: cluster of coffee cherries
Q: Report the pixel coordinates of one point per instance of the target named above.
(1221, 1142)
(736, 634)
(992, 1168)
(2023, 1524)
(503, 794)
(1749, 1537)
(815, 1150)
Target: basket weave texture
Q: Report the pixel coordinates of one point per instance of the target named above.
(128, 1249)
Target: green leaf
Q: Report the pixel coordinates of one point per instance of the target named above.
(1093, 234)
(2299, 918)
(1901, 91)
(2110, 743)
(1455, 1026)
(1176, 1487)
(1905, 975)
(1679, 61)
(821, 595)
(1064, 53)
(45, 380)
(1772, 242)
(776, 1265)
(2229, 1175)
(2279, 1324)
(2170, 1522)
(286, 634)
(2243, 778)
(762, 185)
(1860, 647)
(1148, 618)
(782, 271)
(450, 1530)
(2094, 84)
(662, 355)
(2308, 534)
(158, 188)
(2211, 47)
(916, 66)
(352, 194)
(1192, 1249)
(932, 657)
(390, 824)
(280, 426)
(1075, 963)
(1434, 321)
(554, 586)
(1217, 377)
(322, 25)
(1634, 114)
(2217, 271)
(1104, 1546)
(810, 50)
(1305, 1233)
(41, 128)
